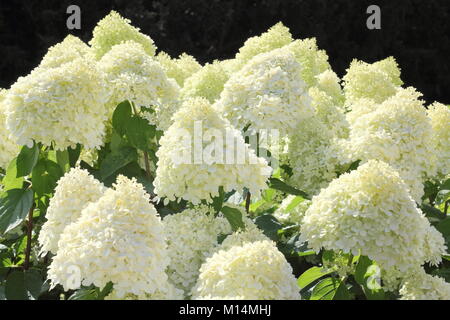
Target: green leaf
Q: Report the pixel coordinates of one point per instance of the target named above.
(121, 116)
(89, 293)
(444, 227)
(234, 217)
(277, 184)
(330, 289)
(269, 225)
(116, 160)
(295, 247)
(139, 133)
(311, 275)
(106, 291)
(26, 160)
(294, 203)
(63, 160)
(10, 181)
(74, 155)
(23, 285)
(14, 207)
(365, 276)
(218, 201)
(432, 212)
(45, 176)
(117, 142)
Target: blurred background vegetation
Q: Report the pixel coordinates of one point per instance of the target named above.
(416, 32)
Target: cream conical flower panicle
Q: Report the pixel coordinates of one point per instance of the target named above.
(201, 152)
(114, 29)
(191, 236)
(440, 122)
(74, 192)
(276, 37)
(423, 286)
(312, 60)
(135, 76)
(207, 82)
(377, 81)
(313, 154)
(253, 271)
(118, 239)
(180, 68)
(63, 105)
(267, 93)
(369, 212)
(70, 49)
(398, 132)
(8, 148)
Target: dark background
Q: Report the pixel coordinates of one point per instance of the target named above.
(416, 32)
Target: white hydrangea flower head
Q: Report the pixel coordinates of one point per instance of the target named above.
(312, 60)
(74, 192)
(179, 69)
(370, 212)
(188, 169)
(292, 209)
(329, 82)
(329, 113)
(377, 81)
(253, 271)
(119, 239)
(314, 155)
(114, 29)
(8, 148)
(192, 236)
(440, 121)
(398, 132)
(208, 82)
(267, 93)
(423, 286)
(70, 49)
(276, 37)
(63, 105)
(138, 78)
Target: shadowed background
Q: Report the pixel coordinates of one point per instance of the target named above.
(416, 32)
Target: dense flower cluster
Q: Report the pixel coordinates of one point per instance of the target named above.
(207, 82)
(70, 49)
(369, 211)
(312, 60)
(363, 147)
(276, 37)
(114, 29)
(377, 81)
(74, 192)
(135, 76)
(178, 174)
(422, 286)
(314, 155)
(192, 236)
(398, 132)
(267, 93)
(253, 271)
(119, 239)
(63, 105)
(440, 121)
(8, 148)
(179, 69)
